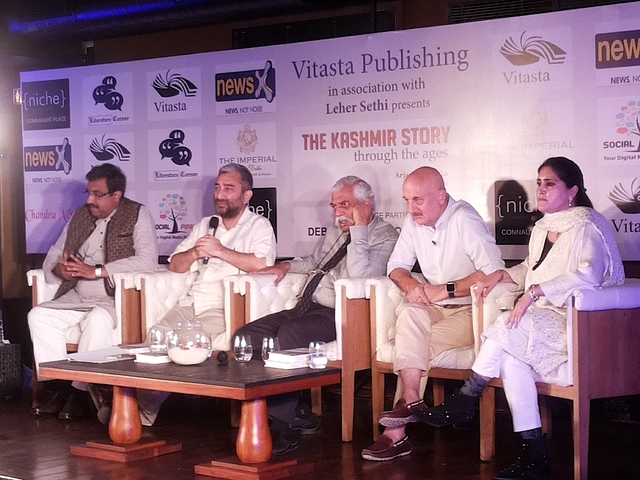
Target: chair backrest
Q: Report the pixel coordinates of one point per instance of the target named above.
(160, 290)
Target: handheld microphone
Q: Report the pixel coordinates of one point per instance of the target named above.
(213, 226)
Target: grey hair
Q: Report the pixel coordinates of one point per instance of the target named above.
(361, 189)
(245, 175)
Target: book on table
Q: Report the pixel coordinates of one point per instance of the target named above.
(286, 365)
(293, 355)
(152, 357)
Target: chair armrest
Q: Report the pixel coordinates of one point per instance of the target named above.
(501, 298)
(128, 313)
(617, 297)
(385, 298)
(41, 290)
(348, 291)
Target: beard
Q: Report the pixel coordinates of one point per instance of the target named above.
(228, 210)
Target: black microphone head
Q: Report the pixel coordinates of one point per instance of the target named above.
(213, 223)
(222, 357)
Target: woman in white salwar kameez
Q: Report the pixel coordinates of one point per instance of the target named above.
(571, 246)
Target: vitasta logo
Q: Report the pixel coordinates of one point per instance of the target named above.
(45, 105)
(108, 149)
(247, 85)
(172, 208)
(172, 84)
(627, 201)
(48, 158)
(173, 148)
(531, 50)
(618, 49)
(107, 95)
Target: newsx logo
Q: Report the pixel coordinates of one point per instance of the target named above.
(247, 84)
(618, 49)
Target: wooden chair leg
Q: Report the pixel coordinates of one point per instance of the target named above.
(487, 424)
(36, 388)
(545, 415)
(236, 409)
(438, 391)
(348, 399)
(377, 399)
(581, 412)
(316, 400)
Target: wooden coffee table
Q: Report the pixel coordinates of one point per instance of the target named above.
(249, 382)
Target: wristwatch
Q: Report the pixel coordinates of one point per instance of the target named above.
(532, 293)
(451, 289)
(98, 270)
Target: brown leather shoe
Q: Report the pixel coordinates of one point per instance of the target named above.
(402, 414)
(386, 449)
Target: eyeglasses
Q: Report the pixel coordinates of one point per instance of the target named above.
(96, 194)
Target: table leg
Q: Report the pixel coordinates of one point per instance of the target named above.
(253, 449)
(254, 443)
(125, 426)
(125, 431)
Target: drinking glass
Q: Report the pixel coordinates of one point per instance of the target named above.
(242, 348)
(269, 344)
(318, 355)
(157, 340)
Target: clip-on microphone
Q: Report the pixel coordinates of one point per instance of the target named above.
(213, 226)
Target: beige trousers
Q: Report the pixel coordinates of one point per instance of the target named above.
(423, 332)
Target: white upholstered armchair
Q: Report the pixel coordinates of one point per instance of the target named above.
(603, 342)
(127, 300)
(254, 296)
(452, 364)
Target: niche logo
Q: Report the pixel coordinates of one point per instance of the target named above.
(45, 105)
(628, 201)
(171, 84)
(263, 202)
(48, 158)
(108, 149)
(247, 85)
(107, 95)
(173, 148)
(531, 50)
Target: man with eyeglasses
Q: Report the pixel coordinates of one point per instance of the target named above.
(109, 234)
(357, 245)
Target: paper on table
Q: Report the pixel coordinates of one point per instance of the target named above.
(104, 355)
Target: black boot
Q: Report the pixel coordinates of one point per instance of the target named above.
(458, 409)
(533, 462)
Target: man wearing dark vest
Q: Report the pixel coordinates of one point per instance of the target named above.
(109, 234)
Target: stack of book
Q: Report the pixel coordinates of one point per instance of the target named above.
(288, 359)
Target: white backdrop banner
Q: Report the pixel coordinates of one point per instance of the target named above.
(485, 103)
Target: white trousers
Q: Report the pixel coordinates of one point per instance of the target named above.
(51, 328)
(518, 381)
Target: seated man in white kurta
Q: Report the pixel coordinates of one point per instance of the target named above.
(243, 243)
(109, 234)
